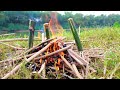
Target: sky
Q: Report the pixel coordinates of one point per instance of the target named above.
(96, 13)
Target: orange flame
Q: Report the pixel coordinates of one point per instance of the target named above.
(62, 54)
(55, 26)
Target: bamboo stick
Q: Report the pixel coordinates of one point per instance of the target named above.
(16, 48)
(17, 59)
(76, 71)
(12, 72)
(68, 76)
(72, 53)
(42, 67)
(17, 39)
(75, 58)
(70, 66)
(72, 72)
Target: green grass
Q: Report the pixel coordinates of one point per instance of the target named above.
(107, 38)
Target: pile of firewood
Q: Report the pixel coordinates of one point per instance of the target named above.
(52, 58)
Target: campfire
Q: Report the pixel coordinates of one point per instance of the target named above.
(58, 57)
(54, 57)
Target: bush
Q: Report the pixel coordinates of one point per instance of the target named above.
(116, 25)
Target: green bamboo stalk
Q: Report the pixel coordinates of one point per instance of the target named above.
(31, 33)
(75, 34)
(46, 25)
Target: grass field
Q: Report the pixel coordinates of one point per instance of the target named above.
(107, 38)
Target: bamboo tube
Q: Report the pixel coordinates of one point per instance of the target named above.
(31, 33)
(46, 25)
(75, 34)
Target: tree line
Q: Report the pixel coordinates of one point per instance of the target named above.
(19, 20)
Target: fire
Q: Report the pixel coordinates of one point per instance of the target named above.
(62, 54)
(55, 29)
(55, 26)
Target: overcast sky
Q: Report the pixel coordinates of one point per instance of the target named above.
(96, 13)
